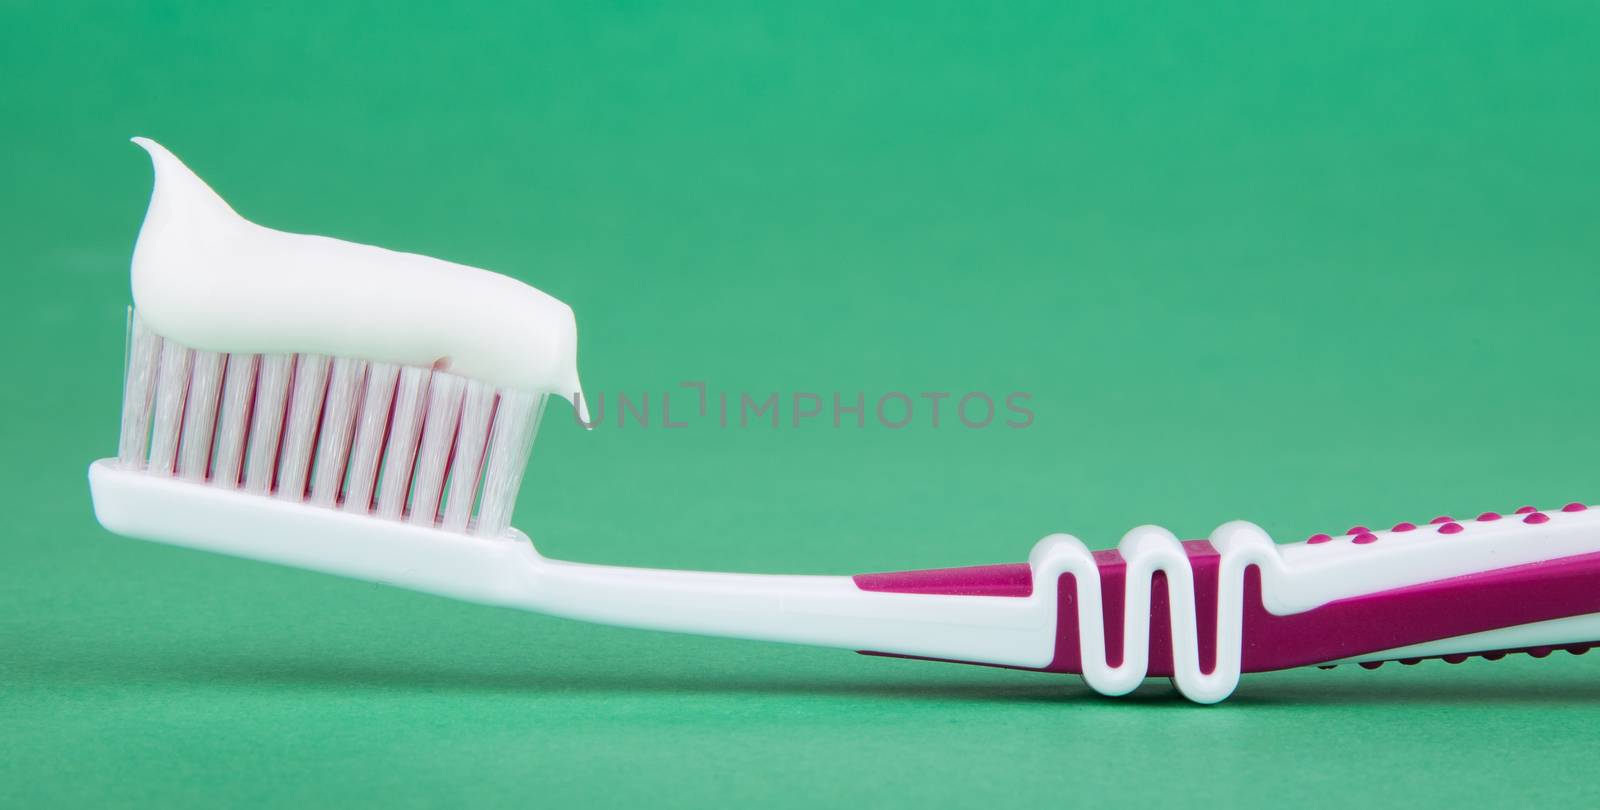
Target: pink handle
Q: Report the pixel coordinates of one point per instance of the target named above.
(1340, 630)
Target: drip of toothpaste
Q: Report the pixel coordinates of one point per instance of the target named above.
(210, 279)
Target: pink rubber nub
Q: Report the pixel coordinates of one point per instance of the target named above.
(1403, 526)
(1318, 538)
(1536, 518)
(1441, 519)
(1488, 516)
(1574, 507)
(1358, 530)
(1450, 528)
(1015, 580)
(1365, 538)
(1523, 510)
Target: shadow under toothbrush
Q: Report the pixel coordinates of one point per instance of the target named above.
(1295, 689)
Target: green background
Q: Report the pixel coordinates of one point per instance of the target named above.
(1306, 267)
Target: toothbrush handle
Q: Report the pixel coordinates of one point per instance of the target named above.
(1201, 611)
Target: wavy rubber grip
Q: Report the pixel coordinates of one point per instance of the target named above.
(1135, 618)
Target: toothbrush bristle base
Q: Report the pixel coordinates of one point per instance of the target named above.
(411, 444)
(182, 513)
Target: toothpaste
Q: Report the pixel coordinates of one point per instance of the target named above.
(210, 279)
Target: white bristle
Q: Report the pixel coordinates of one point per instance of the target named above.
(266, 421)
(402, 442)
(172, 386)
(199, 416)
(467, 468)
(433, 454)
(233, 419)
(309, 383)
(139, 387)
(372, 426)
(338, 419)
(516, 421)
(405, 426)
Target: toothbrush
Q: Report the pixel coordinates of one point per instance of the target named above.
(351, 410)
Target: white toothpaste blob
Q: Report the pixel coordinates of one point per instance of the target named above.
(210, 279)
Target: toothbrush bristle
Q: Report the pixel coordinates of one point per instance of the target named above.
(402, 443)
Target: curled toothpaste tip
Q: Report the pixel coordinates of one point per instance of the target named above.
(582, 408)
